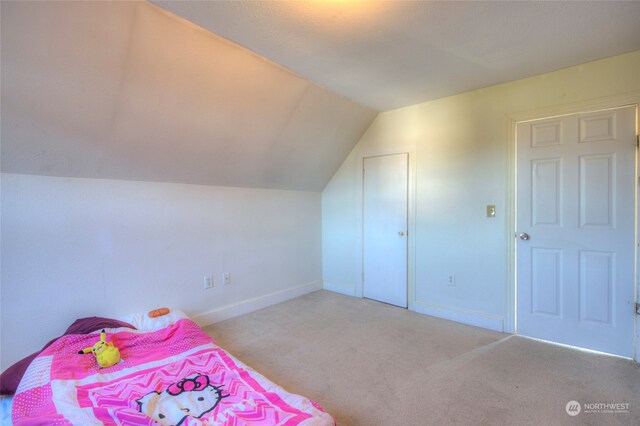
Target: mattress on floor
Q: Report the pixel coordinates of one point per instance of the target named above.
(173, 375)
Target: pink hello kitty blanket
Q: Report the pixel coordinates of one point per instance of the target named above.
(173, 376)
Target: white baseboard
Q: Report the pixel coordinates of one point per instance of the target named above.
(244, 307)
(337, 288)
(466, 317)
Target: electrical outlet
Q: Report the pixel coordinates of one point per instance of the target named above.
(208, 281)
(227, 278)
(452, 280)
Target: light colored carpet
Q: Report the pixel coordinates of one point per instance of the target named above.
(368, 363)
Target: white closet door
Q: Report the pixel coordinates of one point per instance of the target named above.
(385, 228)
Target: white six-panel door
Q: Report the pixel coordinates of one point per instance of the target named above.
(385, 212)
(575, 226)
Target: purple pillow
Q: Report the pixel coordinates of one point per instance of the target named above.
(10, 378)
(87, 325)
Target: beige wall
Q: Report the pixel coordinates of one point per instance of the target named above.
(463, 156)
(74, 247)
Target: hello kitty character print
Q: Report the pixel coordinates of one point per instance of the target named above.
(193, 396)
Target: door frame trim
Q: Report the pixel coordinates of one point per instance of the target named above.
(411, 218)
(511, 120)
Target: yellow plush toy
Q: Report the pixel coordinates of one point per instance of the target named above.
(105, 352)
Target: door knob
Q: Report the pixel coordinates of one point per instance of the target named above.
(401, 233)
(524, 236)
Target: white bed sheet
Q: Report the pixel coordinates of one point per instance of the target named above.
(5, 410)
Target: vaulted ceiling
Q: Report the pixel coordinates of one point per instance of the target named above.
(153, 92)
(390, 54)
(126, 90)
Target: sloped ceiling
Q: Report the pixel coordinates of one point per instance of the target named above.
(389, 54)
(126, 90)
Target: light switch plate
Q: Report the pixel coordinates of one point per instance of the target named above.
(491, 210)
